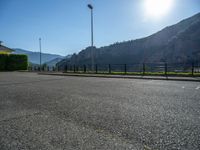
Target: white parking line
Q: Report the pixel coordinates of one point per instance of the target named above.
(198, 87)
(183, 87)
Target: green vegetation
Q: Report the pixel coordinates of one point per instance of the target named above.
(160, 73)
(3, 58)
(13, 62)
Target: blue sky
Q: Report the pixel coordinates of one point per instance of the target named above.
(64, 25)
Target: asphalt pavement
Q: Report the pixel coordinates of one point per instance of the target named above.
(126, 76)
(66, 112)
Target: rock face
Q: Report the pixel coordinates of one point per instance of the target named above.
(179, 43)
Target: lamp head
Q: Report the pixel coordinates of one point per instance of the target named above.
(90, 6)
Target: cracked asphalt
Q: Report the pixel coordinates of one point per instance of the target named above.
(54, 113)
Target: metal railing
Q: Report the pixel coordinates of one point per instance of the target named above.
(142, 68)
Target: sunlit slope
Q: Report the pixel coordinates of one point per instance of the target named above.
(177, 43)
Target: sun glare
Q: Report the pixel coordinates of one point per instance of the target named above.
(157, 8)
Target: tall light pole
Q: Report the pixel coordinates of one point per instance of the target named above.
(92, 42)
(40, 53)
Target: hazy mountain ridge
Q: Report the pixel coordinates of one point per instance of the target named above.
(53, 62)
(34, 57)
(174, 44)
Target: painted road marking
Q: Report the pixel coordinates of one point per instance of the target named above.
(183, 87)
(198, 87)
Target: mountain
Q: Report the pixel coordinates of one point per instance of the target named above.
(34, 57)
(57, 60)
(179, 43)
(53, 62)
(64, 61)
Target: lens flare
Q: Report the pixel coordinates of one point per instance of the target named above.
(157, 8)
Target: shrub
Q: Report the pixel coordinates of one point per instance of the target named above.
(3, 58)
(13, 62)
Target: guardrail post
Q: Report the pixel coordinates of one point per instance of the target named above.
(192, 69)
(74, 68)
(96, 68)
(84, 68)
(143, 68)
(71, 68)
(109, 69)
(77, 68)
(165, 69)
(125, 69)
(66, 68)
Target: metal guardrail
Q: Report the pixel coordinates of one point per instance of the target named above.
(142, 68)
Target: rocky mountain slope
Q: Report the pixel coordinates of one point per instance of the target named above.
(179, 43)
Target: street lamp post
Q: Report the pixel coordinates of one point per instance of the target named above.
(92, 40)
(40, 53)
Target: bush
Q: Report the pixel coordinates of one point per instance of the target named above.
(13, 62)
(3, 58)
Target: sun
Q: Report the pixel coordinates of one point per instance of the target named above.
(157, 8)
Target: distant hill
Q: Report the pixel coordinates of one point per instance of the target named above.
(179, 43)
(53, 62)
(64, 61)
(34, 57)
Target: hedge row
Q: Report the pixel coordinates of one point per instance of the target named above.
(13, 62)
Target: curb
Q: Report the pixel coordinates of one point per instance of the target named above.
(123, 77)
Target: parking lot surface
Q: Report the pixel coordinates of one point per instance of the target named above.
(55, 112)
